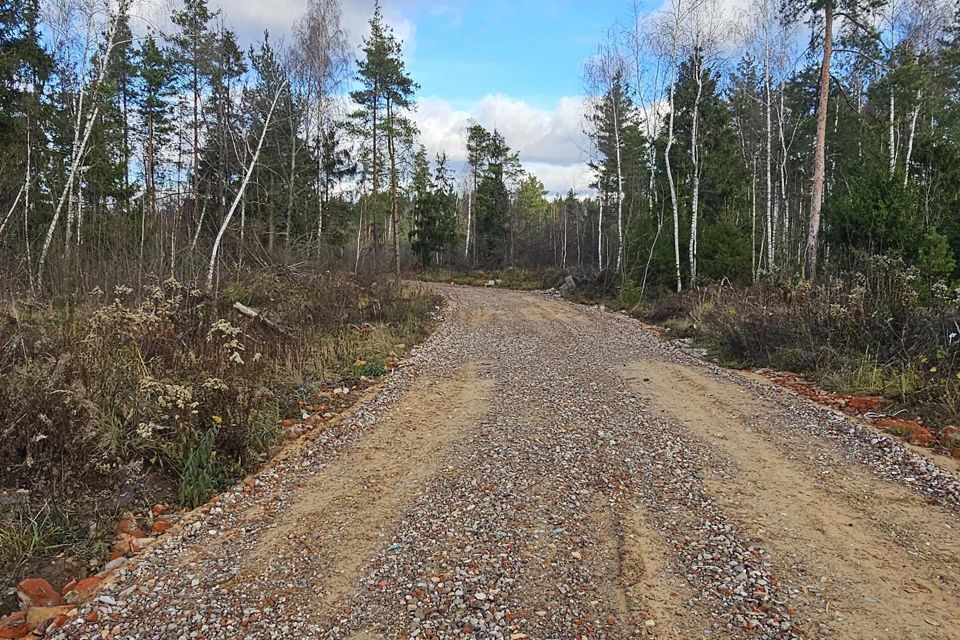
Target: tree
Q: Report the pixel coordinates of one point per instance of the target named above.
(25, 68)
(825, 9)
(215, 253)
(192, 50)
(152, 104)
(85, 121)
(478, 143)
(434, 209)
(613, 113)
(322, 59)
(386, 94)
(220, 162)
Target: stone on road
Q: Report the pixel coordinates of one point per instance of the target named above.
(544, 470)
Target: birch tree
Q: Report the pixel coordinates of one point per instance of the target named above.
(322, 58)
(87, 108)
(215, 252)
(612, 113)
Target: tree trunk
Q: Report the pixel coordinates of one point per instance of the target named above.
(893, 133)
(321, 178)
(600, 236)
(466, 248)
(215, 253)
(819, 156)
(783, 176)
(13, 208)
(913, 132)
(616, 136)
(271, 214)
(80, 145)
(564, 249)
(695, 157)
(771, 242)
(291, 186)
(375, 113)
(363, 204)
(394, 210)
(673, 191)
(754, 262)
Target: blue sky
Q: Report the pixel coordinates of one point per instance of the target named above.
(527, 49)
(511, 64)
(514, 65)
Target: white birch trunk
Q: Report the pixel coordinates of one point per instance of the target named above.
(80, 145)
(564, 250)
(673, 191)
(772, 244)
(293, 172)
(913, 132)
(600, 236)
(16, 201)
(695, 158)
(215, 253)
(893, 134)
(466, 247)
(356, 266)
(196, 232)
(616, 136)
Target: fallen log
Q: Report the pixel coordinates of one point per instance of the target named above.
(256, 315)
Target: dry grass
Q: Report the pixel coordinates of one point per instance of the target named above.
(880, 330)
(168, 393)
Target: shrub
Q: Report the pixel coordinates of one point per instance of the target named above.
(882, 329)
(169, 390)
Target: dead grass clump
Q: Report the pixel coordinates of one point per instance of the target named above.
(880, 330)
(166, 393)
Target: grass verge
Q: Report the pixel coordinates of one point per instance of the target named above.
(115, 401)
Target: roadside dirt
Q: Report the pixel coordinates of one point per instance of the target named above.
(343, 514)
(876, 583)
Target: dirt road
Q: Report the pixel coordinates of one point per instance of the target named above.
(543, 470)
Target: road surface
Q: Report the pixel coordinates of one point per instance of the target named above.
(545, 470)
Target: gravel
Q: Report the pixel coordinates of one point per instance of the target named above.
(509, 540)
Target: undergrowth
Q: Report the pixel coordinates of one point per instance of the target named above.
(513, 278)
(166, 393)
(880, 330)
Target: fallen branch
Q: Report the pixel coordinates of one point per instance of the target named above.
(251, 313)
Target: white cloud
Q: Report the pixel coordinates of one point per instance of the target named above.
(249, 18)
(550, 141)
(356, 18)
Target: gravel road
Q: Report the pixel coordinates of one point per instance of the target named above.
(542, 470)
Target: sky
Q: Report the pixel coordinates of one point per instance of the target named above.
(514, 65)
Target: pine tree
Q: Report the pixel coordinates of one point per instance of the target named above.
(25, 68)
(612, 116)
(385, 95)
(434, 209)
(192, 49)
(220, 163)
(152, 98)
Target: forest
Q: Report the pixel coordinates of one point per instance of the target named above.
(202, 242)
(718, 151)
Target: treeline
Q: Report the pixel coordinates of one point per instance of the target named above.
(180, 153)
(789, 139)
(795, 137)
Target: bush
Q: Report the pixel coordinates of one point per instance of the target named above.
(882, 329)
(169, 390)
